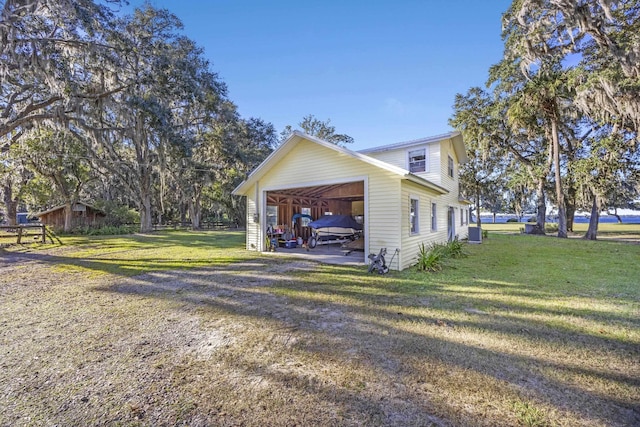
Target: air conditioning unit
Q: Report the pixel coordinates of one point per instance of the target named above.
(475, 235)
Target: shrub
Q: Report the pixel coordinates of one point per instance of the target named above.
(430, 259)
(512, 220)
(550, 228)
(433, 258)
(454, 249)
(106, 230)
(117, 215)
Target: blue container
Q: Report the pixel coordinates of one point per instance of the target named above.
(290, 244)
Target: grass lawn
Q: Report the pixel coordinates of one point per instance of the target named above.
(606, 231)
(188, 328)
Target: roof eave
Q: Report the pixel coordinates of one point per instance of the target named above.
(459, 147)
(426, 183)
(414, 142)
(281, 150)
(288, 145)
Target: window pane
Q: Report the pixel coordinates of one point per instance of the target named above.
(272, 216)
(305, 221)
(417, 160)
(434, 220)
(414, 216)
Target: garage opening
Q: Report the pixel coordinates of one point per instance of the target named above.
(291, 210)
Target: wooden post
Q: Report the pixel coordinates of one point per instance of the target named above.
(44, 234)
(19, 234)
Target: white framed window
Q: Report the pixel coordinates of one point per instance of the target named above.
(305, 221)
(450, 166)
(417, 160)
(414, 215)
(272, 216)
(461, 216)
(434, 217)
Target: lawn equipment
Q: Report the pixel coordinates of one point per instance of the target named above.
(378, 262)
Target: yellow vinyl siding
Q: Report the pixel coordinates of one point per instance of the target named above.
(386, 205)
(393, 157)
(411, 242)
(451, 184)
(446, 147)
(399, 157)
(253, 228)
(309, 164)
(434, 165)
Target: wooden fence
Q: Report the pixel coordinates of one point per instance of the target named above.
(21, 231)
(204, 225)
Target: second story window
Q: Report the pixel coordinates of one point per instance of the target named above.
(418, 160)
(450, 164)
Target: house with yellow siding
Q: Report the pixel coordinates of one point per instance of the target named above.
(403, 194)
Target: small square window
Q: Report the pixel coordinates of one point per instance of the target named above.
(418, 160)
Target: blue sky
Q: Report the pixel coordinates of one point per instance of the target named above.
(382, 71)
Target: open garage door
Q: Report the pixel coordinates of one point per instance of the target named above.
(346, 198)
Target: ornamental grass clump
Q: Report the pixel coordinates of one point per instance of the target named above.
(433, 257)
(454, 249)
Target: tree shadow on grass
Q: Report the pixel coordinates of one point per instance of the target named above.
(500, 299)
(367, 322)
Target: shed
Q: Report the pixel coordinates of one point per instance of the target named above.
(84, 215)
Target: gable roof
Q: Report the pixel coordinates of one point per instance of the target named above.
(55, 208)
(297, 137)
(455, 137)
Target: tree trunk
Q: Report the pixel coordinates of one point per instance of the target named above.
(542, 208)
(183, 212)
(562, 213)
(68, 217)
(615, 213)
(146, 223)
(195, 212)
(592, 231)
(10, 205)
(570, 202)
(478, 220)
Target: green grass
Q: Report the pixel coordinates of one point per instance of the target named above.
(525, 330)
(604, 229)
(550, 322)
(130, 255)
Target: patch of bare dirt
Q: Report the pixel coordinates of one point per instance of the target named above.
(238, 345)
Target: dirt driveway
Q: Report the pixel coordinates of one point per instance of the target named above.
(264, 343)
(213, 346)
